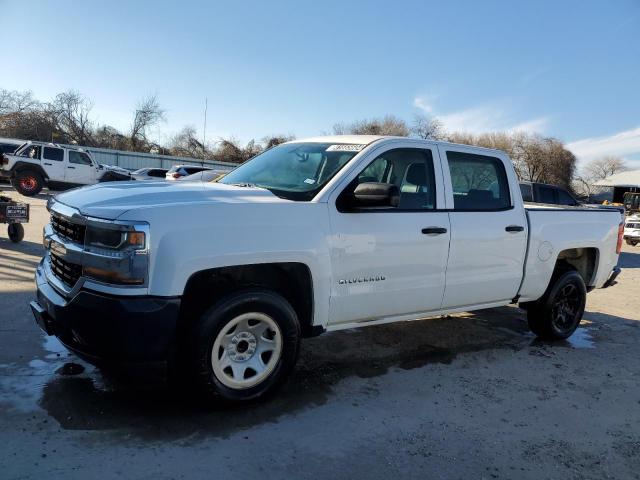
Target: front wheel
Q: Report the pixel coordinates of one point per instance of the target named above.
(245, 346)
(631, 242)
(557, 314)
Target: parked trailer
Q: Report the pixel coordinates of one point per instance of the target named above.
(14, 214)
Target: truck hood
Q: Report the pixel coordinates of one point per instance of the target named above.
(112, 199)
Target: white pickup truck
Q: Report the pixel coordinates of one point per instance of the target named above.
(36, 164)
(223, 279)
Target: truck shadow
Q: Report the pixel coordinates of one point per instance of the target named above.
(629, 259)
(96, 400)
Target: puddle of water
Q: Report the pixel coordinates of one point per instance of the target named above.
(581, 339)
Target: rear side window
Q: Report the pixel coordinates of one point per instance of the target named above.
(547, 195)
(191, 170)
(56, 154)
(79, 158)
(527, 192)
(479, 182)
(565, 199)
(156, 173)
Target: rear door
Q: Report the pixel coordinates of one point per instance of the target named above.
(80, 169)
(53, 163)
(488, 228)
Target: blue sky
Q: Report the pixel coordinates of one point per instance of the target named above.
(569, 69)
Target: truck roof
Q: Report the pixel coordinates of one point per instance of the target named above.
(368, 139)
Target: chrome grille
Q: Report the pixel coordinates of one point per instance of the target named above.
(632, 225)
(69, 273)
(73, 231)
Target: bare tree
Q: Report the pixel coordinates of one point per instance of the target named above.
(428, 128)
(274, 140)
(148, 113)
(17, 102)
(186, 143)
(69, 112)
(604, 167)
(389, 125)
(230, 150)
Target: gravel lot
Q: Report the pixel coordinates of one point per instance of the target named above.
(470, 396)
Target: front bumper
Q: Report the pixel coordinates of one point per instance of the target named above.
(103, 328)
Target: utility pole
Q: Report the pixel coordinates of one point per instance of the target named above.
(204, 133)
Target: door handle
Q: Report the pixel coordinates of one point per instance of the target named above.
(434, 230)
(48, 163)
(73, 168)
(514, 228)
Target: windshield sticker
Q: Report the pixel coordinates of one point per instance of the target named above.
(310, 181)
(343, 147)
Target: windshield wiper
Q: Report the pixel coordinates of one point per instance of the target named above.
(246, 185)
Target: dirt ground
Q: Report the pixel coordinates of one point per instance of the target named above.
(470, 396)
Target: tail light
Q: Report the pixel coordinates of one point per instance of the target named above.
(3, 160)
(620, 235)
(175, 175)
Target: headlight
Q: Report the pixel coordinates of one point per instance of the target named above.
(115, 239)
(116, 253)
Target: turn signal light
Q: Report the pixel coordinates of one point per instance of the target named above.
(620, 235)
(135, 239)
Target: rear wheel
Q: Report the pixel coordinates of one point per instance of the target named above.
(245, 346)
(16, 232)
(631, 242)
(28, 182)
(557, 314)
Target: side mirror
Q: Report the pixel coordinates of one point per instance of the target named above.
(375, 194)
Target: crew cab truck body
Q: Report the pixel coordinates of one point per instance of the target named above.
(37, 164)
(313, 235)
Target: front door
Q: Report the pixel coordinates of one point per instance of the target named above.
(80, 169)
(390, 261)
(488, 228)
(53, 163)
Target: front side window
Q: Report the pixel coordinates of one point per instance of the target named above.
(410, 169)
(30, 151)
(56, 154)
(79, 158)
(296, 171)
(479, 182)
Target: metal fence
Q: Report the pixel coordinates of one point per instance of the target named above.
(136, 160)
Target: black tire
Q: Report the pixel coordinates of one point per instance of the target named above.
(28, 182)
(203, 334)
(633, 243)
(557, 314)
(16, 232)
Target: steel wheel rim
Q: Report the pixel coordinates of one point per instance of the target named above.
(28, 183)
(566, 308)
(246, 350)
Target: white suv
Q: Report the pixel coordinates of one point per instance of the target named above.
(37, 164)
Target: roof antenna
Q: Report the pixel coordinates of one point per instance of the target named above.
(204, 134)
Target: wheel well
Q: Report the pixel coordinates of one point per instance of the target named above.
(582, 260)
(25, 166)
(291, 280)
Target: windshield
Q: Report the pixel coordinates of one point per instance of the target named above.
(296, 171)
